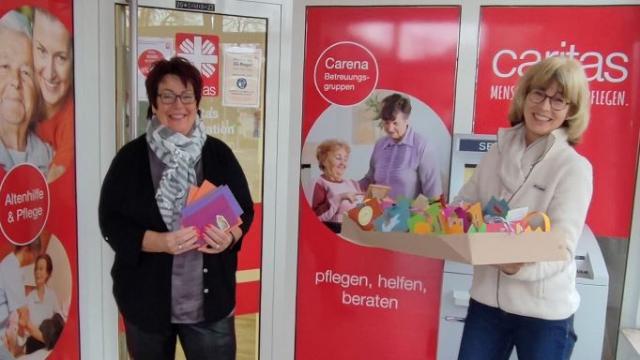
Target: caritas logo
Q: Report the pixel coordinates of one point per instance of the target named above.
(606, 72)
(202, 51)
(599, 67)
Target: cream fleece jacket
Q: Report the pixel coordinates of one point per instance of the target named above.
(548, 176)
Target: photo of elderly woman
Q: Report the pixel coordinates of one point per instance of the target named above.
(378, 145)
(403, 159)
(19, 97)
(333, 195)
(34, 299)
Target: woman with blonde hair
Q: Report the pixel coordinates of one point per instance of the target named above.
(534, 164)
(332, 194)
(53, 64)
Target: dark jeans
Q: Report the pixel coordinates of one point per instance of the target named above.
(490, 333)
(215, 341)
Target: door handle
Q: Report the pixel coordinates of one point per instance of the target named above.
(454, 318)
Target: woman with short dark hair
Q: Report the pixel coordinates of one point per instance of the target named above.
(166, 285)
(403, 159)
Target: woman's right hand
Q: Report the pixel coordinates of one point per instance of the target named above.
(349, 196)
(174, 242)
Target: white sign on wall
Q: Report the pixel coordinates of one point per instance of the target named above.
(150, 50)
(241, 76)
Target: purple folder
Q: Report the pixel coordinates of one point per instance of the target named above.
(203, 201)
(219, 208)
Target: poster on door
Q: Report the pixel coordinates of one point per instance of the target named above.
(355, 302)
(150, 50)
(604, 39)
(38, 238)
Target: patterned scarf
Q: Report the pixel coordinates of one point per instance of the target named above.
(180, 154)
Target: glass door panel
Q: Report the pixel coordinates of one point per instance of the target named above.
(230, 52)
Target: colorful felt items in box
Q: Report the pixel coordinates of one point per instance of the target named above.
(432, 216)
(366, 213)
(394, 218)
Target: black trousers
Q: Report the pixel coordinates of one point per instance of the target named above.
(201, 341)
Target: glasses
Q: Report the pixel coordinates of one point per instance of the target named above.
(558, 103)
(169, 97)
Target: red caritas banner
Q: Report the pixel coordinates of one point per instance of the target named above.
(604, 39)
(38, 241)
(355, 302)
(202, 51)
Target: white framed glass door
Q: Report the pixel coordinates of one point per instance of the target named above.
(240, 34)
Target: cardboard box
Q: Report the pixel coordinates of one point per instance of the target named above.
(474, 249)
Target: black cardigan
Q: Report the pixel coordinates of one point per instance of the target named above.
(142, 280)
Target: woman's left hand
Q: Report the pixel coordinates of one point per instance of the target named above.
(216, 239)
(511, 269)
